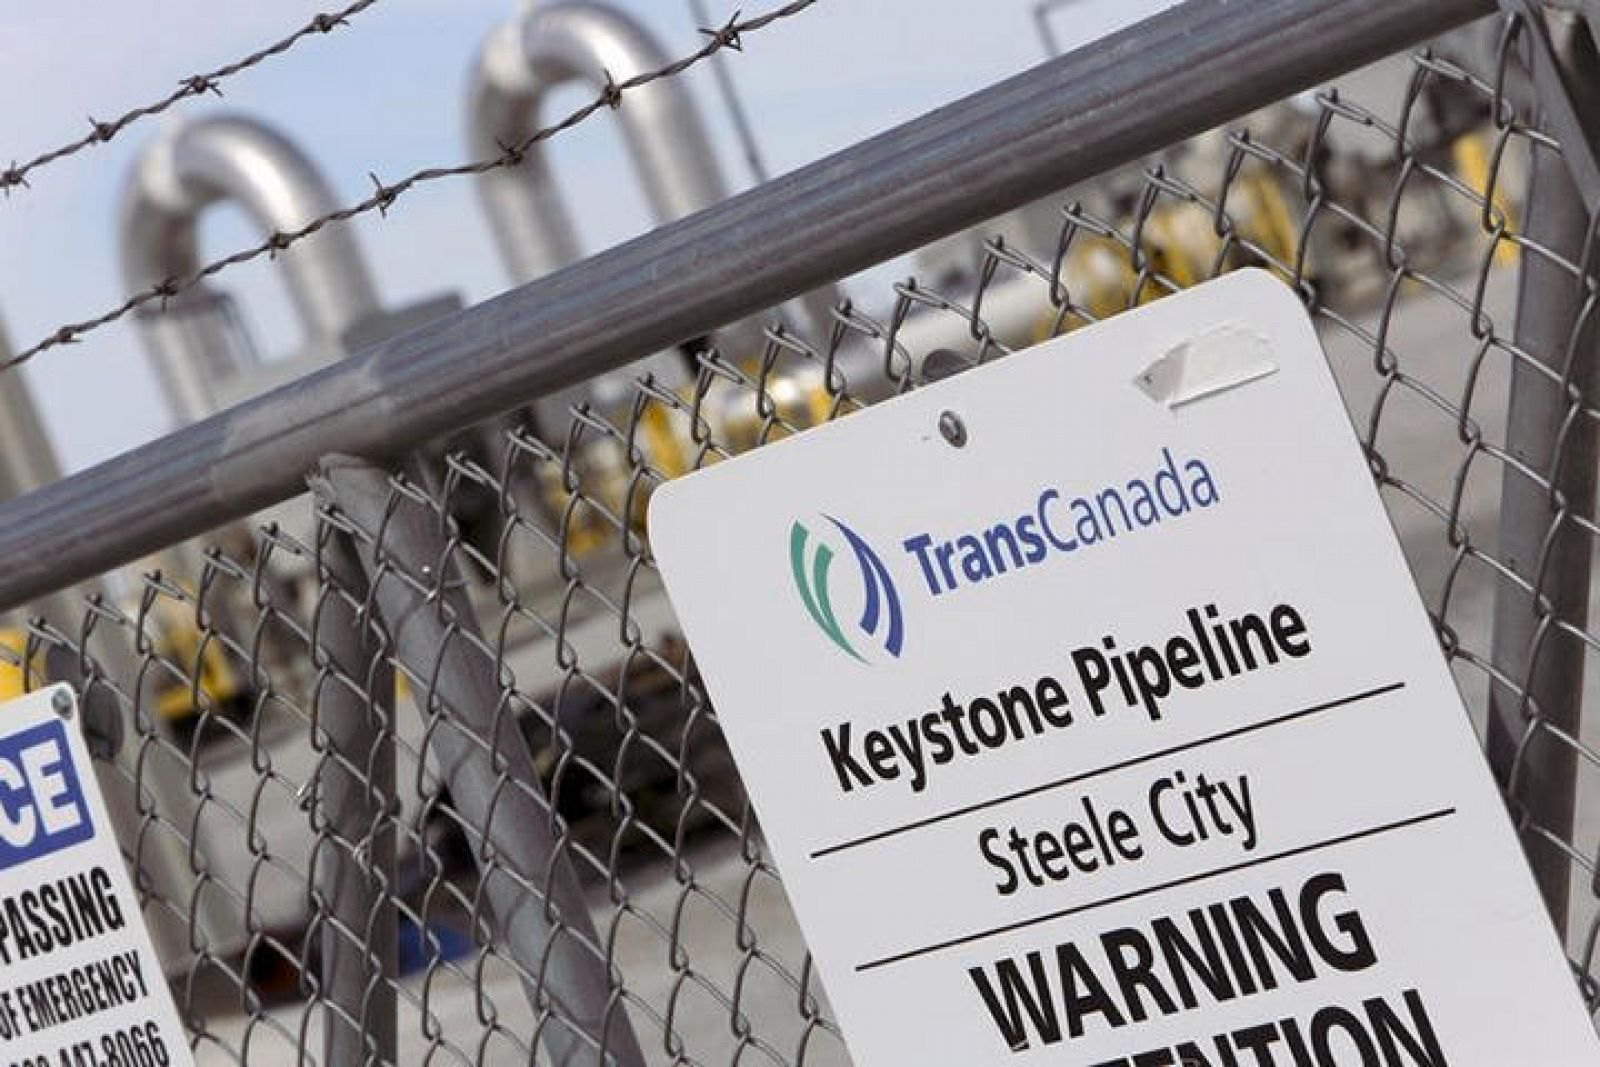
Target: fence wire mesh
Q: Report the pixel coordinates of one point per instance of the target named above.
(417, 769)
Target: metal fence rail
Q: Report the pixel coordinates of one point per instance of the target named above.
(1063, 122)
(450, 791)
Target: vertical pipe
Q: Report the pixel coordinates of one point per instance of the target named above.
(193, 352)
(355, 860)
(1537, 539)
(528, 217)
(482, 755)
(176, 178)
(27, 462)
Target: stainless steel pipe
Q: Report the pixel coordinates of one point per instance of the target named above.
(552, 45)
(239, 160)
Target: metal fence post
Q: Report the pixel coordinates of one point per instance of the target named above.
(355, 873)
(483, 758)
(1532, 734)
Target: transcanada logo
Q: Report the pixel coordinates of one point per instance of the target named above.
(811, 561)
(1053, 524)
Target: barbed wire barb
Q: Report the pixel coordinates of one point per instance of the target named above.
(384, 196)
(101, 132)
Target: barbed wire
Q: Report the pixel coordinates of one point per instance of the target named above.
(384, 195)
(730, 99)
(16, 175)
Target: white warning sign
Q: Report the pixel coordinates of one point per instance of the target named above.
(80, 984)
(1092, 716)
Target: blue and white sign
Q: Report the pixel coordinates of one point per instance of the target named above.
(42, 806)
(1111, 730)
(80, 983)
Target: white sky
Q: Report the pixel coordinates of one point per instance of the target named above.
(386, 95)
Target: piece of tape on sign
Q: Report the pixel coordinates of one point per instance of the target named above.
(1208, 363)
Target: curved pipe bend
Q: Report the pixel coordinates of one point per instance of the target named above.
(525, 59)
(234, 159)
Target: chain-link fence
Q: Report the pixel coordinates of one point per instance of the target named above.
(414, 767)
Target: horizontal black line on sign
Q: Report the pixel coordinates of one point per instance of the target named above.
(1078, 909)
(1083, 776)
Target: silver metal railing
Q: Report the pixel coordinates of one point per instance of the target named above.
(999, 149)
